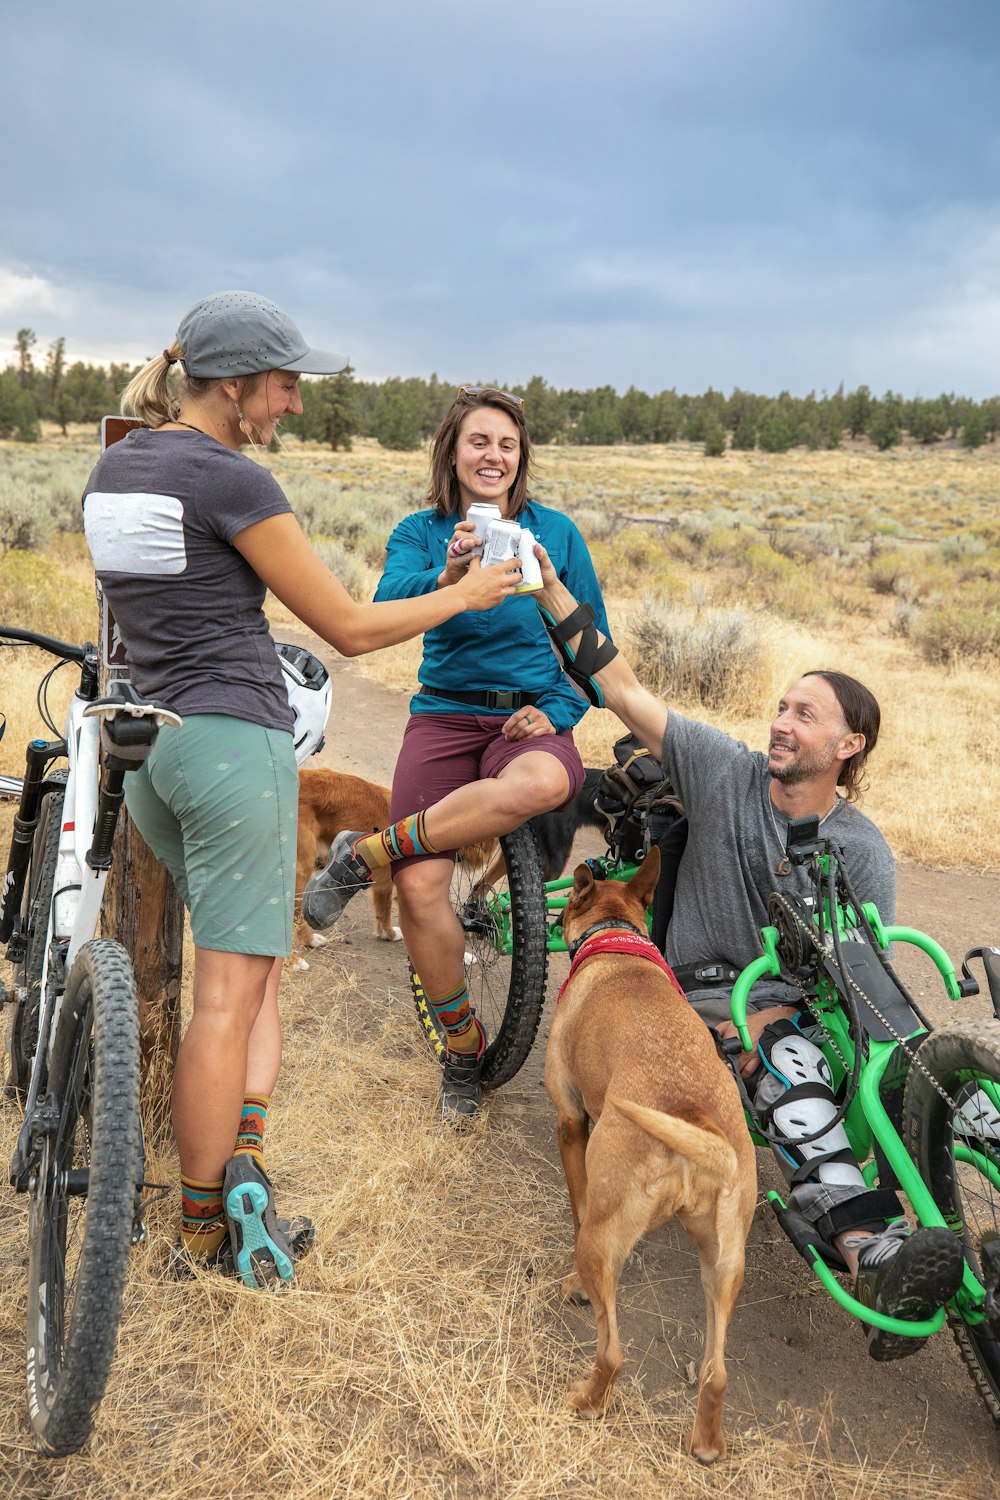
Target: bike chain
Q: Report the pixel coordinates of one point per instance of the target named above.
(809, 929)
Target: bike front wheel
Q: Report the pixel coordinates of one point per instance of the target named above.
(500, 904)
(81, 1198)
(956, 1146)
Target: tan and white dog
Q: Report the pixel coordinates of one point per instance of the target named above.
(628, 1055)
(329, 802)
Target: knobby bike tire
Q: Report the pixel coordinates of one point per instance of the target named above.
(78, 1243)
(28, 974)
(506, 991)
(956, 1056)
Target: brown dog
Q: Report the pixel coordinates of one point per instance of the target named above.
(329, 802)
(627, 1052)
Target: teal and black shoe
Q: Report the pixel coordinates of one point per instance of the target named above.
(261, 1250)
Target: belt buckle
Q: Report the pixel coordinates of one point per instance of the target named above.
(499, 698)
(710, 973)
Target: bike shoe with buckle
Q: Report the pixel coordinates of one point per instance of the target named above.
(461, 1093)
(262, 1254)
(906, 1276)
(327, 893)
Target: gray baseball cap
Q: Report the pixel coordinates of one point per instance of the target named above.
(240, 333)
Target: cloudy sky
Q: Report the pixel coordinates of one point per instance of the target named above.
(764, 193)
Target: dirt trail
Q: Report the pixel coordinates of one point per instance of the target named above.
(795, 1358)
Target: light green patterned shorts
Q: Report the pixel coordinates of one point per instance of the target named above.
(218, 803)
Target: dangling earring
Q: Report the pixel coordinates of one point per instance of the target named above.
(243, 423)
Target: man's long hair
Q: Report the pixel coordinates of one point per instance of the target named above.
(862, 715)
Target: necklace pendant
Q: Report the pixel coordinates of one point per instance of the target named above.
(784, 866)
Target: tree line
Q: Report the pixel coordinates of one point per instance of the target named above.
(404, 413)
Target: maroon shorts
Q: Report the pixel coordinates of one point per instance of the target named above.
(441, 752)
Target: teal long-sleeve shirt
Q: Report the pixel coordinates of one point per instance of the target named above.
(507, 647)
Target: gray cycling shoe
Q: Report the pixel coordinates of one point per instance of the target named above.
(327, 893)
(461, 1093)
(261, 1250)
(300, 1233)
(906, 1276)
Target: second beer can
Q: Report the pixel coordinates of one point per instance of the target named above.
(502, 539)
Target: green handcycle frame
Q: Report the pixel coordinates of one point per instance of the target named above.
(866, 1121)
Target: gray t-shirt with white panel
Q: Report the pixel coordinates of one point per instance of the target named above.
(160, 512)
(736, 839)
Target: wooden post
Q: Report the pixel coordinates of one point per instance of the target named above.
(143, 911)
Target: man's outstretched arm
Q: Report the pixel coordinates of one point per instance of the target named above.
(637, 708)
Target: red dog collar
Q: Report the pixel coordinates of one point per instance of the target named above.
(618, 942)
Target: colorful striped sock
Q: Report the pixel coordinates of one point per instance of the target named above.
(454, 1014)
(402, 841)
(203, 1219)
(253, 1122)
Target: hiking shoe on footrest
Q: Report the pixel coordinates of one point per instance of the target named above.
(327, 893)
(906, 1276)
(262, 1254)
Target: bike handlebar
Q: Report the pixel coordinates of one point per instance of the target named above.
(47, 643)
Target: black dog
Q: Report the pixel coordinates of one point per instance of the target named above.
(555, 831)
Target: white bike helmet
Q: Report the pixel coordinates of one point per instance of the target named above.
(310, 693)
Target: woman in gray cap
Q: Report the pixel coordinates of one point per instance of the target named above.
(187, 534)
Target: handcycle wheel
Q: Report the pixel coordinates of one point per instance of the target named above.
(958, 1155)
(81, 1198)
(502, 912)
(28, 973)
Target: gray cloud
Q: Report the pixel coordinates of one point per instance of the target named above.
(771, 195)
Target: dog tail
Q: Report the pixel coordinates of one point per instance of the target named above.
(707, 1148)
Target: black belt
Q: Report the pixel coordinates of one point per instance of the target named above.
(488, 698)
(705, 976)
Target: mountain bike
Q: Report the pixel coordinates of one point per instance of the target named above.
(512, 918)
(72, 1060)
(921, 1106)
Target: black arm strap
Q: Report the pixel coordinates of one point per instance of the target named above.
(592, 654)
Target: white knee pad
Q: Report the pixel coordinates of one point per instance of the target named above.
(797, 1067)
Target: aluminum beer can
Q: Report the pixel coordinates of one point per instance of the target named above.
(481, 514)
(531, 568)
(502, 538)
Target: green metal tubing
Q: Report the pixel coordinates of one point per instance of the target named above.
(982, 1164)
(934, 951)
(765, 966)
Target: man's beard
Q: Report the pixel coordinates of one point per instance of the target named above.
(804, 765)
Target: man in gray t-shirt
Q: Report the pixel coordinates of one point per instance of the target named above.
(738, 804)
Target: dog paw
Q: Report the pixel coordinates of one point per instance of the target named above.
(581, 1400)
(392, 936)
(299, 966)
(707, 1451)
(572, 1291)
(469, 959)
(318, 940)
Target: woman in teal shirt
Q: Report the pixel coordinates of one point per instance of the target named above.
(489, 741)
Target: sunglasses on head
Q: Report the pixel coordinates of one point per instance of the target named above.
(490, 390)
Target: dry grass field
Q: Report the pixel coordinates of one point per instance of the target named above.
(724, 578)
(424, 1352)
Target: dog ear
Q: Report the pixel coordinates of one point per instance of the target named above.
(643, 882)
(583, 884)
